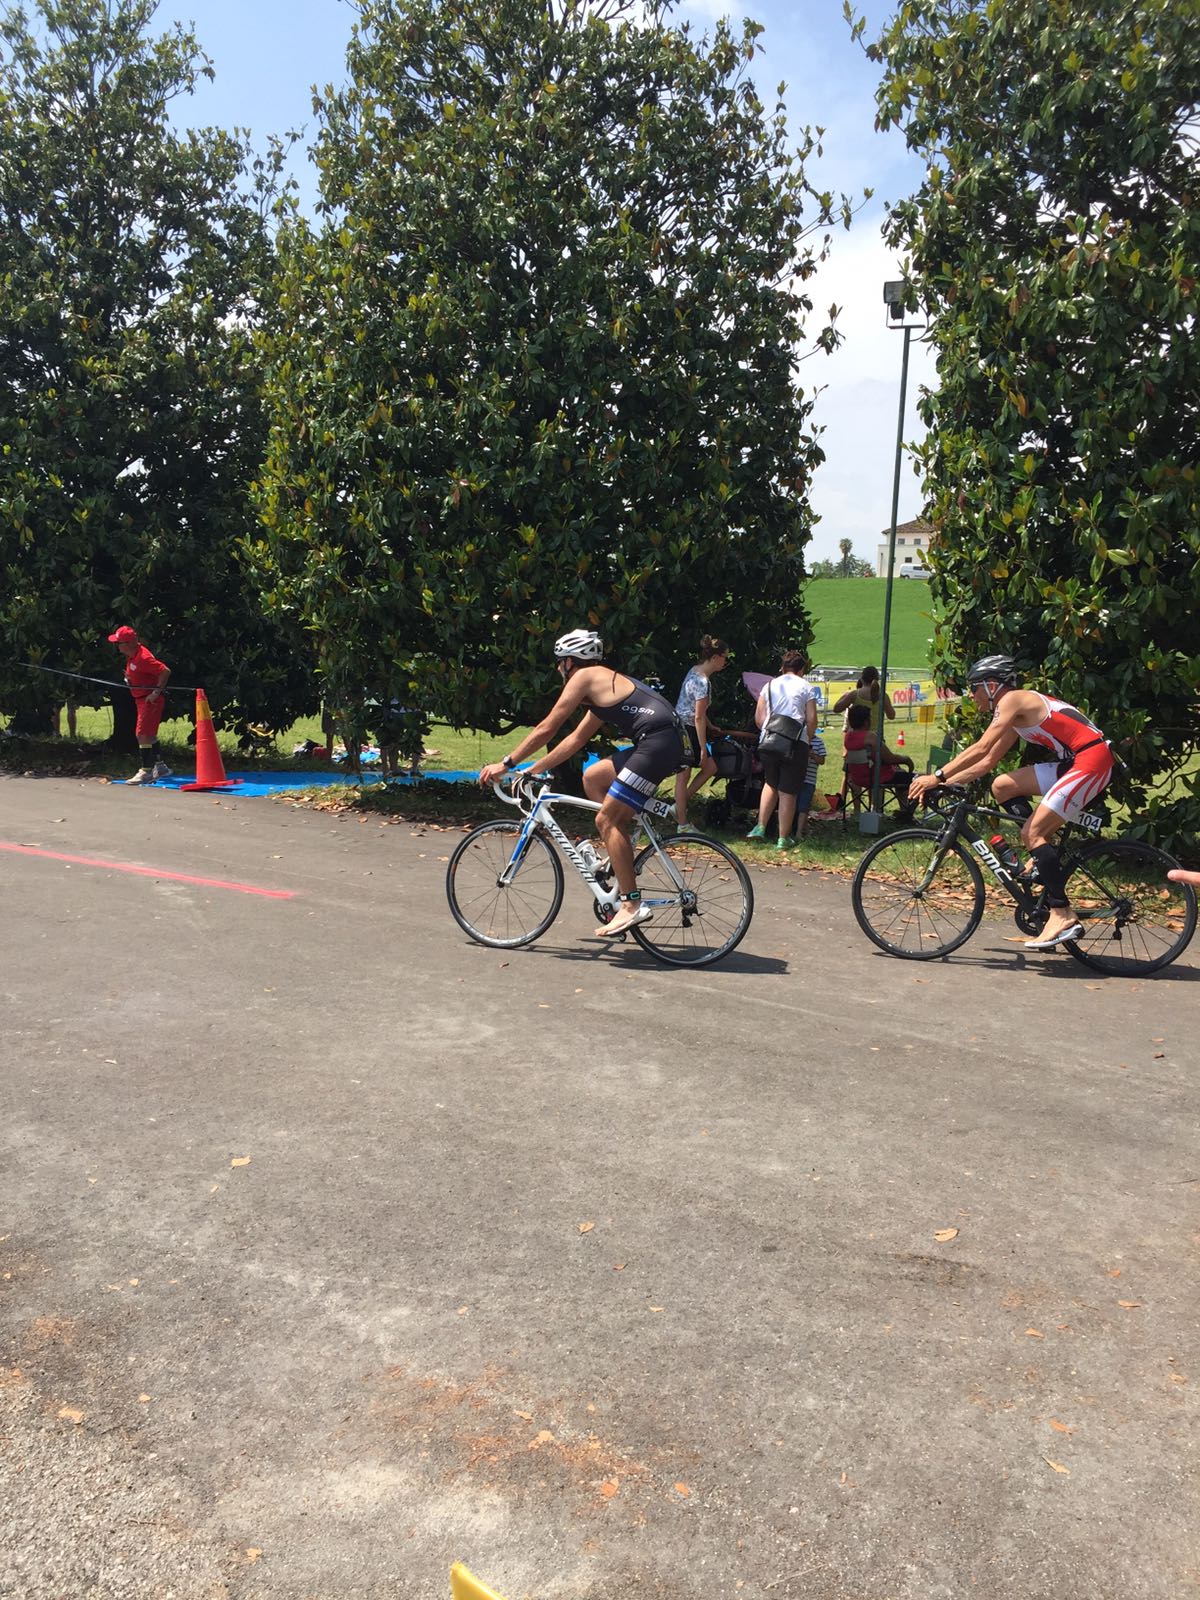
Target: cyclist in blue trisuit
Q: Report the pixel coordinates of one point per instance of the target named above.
(624, 784)
(1078, 770)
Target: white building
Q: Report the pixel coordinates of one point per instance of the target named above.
(912, 541)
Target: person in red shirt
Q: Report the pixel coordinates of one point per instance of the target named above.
(147, 678)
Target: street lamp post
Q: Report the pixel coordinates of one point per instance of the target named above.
(893, 297)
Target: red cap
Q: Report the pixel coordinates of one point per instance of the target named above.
(123, 635)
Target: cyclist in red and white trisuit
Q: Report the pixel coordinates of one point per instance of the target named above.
(1079, 769)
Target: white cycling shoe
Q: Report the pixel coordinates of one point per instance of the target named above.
(628, 916)
(1073, 930)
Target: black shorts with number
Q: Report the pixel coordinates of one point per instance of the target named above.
(640, 771)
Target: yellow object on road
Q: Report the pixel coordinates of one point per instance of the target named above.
(465, 1585)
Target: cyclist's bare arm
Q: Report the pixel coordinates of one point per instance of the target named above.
(985, 754)
(982, 756)
(571, 745)
(574, 692)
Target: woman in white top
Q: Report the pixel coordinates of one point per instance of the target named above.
(788, 695)
(692, 709)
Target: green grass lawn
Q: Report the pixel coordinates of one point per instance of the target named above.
(847, 615)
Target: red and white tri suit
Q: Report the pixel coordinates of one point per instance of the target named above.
(1083, 764)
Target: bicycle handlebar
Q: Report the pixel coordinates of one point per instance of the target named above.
(518, 793)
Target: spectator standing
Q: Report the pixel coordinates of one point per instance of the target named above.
(146, 677)
(692, 710)
(866, 693)
(804, 800)
(788, 695)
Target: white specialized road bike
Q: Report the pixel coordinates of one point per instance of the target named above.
(505, 880)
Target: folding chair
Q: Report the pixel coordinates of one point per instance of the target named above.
(857, 781)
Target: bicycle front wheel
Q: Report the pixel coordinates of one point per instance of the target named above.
(503, 914)
(916, 898)
(1134, 920)
(705, 920)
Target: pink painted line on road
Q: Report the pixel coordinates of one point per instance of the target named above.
(149, 872)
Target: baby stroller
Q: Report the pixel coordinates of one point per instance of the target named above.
(741, 771)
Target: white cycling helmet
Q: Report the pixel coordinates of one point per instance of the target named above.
(581, 644)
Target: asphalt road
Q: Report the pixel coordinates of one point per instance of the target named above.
(334, 1248)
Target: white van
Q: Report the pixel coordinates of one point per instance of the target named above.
(913, 570)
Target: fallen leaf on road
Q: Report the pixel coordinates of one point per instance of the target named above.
(1057, 1466)
(240, 1161)
(609, 1488)
(586, 1227)
(525, 1416)
(252, 1554)
(1114, 1272)
(462, 1311)
(71, 1414)
(1159, 1055)
(544, 1437)
(1129, 1305)
(682, 1488)
(1060, 1427)
(658, 1308)
(1178, 1377)
(618, 1266)
(1034, 1333)
(144, 1399)
(943, 1234)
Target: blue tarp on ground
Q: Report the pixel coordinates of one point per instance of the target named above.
(252, 784)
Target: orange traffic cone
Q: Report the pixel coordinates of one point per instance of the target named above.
(210, 769)
(900, 740)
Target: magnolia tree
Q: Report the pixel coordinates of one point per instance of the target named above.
(132, 260)
(1055, 243)
(540, 366)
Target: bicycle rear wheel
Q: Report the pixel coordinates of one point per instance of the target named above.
(913, 904)
(1134, 920)
(711, 917)
(504, 916)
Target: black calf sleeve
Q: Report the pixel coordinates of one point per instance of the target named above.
(1052, 874)
(1018, 807)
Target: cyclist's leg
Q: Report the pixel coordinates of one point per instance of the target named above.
(651, 761)
(598, 778)
(614, 822)
(1020, 784)
(1062, 801)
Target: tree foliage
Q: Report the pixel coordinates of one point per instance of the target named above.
(131, 261)
(1056, 245)
(540, 366)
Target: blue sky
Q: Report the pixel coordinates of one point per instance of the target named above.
(267, 54)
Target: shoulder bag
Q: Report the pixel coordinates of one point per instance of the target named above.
(781, 735)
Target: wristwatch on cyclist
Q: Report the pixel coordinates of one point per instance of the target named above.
(940, 774)
(507, 763)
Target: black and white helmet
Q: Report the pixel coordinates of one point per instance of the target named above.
(992, 669)
(581, 644)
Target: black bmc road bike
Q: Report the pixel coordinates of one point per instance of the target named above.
(919, 893)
